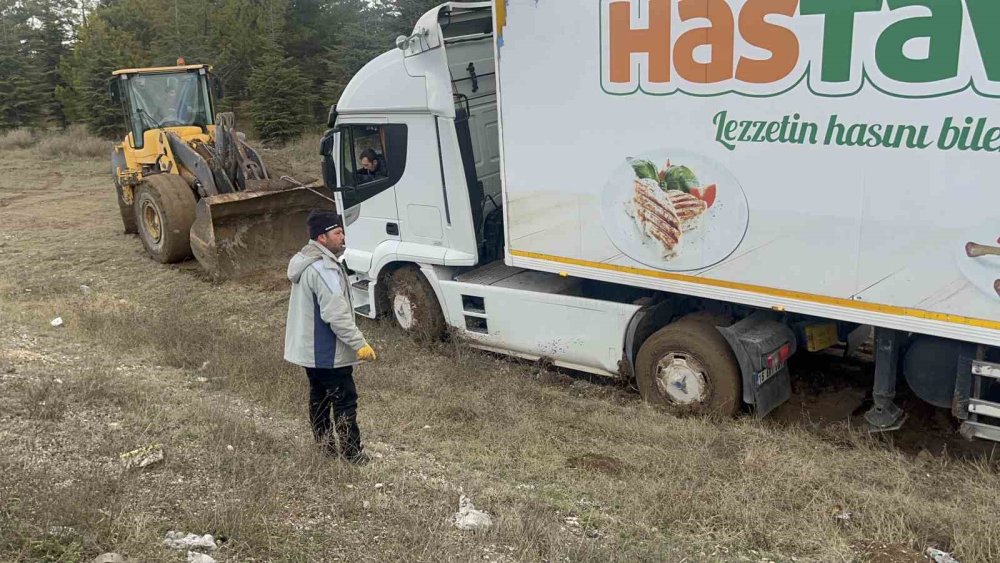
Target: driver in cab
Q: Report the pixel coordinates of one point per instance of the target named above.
(371, 167)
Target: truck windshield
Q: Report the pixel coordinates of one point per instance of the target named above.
(168, 100)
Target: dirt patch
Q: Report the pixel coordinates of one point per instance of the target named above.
(831, 393)
(266, 280)
(597, 462)
(871, 551)
(819, 408)
(20, 355)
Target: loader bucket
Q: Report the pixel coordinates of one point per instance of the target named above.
(239, 233)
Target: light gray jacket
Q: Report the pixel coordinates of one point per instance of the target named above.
(320, 331)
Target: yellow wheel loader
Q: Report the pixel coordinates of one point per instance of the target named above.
(187, 182)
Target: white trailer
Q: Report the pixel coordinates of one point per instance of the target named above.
(687, 193)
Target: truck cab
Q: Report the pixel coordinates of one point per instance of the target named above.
(414, 152)
(413, 155)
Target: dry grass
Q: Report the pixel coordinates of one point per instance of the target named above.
(20, 138)
(531, 447)
(299, 158)
(74, 142)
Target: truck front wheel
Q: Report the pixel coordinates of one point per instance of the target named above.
(414, 304)
(687, 367)
(164, 212)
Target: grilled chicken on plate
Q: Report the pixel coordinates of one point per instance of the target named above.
(656, 216)
(689, 209)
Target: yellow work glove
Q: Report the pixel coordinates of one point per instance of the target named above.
(366, 353)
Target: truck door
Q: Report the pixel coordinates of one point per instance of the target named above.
(432, 197)
(372, 159)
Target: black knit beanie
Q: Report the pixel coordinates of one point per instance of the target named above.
(322, 221)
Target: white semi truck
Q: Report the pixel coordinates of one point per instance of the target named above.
(687, 193)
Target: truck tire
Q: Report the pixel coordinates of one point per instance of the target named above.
(687, 367)
(414, 305)
(164, 212)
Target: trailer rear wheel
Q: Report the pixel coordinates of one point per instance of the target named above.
(687, 367)
(414, 304)
(164, 211)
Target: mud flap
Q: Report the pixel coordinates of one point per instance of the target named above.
(755, 340)
(239, 233)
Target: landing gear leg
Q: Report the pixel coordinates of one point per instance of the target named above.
(885, 416)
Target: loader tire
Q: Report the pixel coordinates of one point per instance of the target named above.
(164, 211)
(125, 209)
(415, 307)
(127, 212)
(687, 367)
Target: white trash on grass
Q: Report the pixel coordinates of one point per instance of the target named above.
(938, 556)
(468, 518)
(180, 540)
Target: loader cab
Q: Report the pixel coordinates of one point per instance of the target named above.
(165, 97)
(427, 112)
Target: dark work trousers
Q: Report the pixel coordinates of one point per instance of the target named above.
(334, 388)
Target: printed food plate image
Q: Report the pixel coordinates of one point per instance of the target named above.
(674, 210)
(978, 258)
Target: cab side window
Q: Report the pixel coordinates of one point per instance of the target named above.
(370, 154)
(372, 159)
(364, 154)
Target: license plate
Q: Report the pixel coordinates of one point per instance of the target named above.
(767, 373)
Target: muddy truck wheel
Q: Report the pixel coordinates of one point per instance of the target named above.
(687, 367)
(164, 212)
(414, 305)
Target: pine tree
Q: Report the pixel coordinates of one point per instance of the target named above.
(48, 41)
(98, 52)
(243, 31)
(314, 46)
(182, 30)
(366, 31)
(280, 98)
(20, 88)
(408, 12)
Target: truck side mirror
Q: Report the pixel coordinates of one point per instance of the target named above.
(326, 144)
(329, 165)
(115, 89)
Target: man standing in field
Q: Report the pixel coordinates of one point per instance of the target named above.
(321, 336)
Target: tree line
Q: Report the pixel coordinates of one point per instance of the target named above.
(282, 62)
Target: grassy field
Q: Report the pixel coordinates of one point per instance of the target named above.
(570, 469)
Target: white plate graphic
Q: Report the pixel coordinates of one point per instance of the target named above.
(722, 228)
(984, 271)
